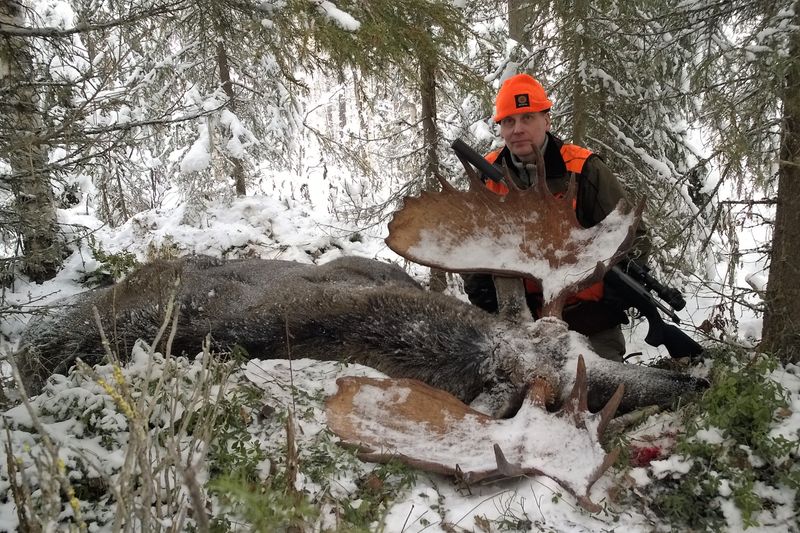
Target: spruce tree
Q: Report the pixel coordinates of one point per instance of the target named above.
(616, 83)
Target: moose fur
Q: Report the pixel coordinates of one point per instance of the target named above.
(351, 309)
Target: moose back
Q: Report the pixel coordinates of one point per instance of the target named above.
(351, 309)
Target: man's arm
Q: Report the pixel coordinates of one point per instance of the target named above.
(602, 192)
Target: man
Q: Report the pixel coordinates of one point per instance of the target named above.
(523, 113)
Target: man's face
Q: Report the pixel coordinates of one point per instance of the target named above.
(523, 130)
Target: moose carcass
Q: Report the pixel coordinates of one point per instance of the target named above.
(351, 309)
(530, 234)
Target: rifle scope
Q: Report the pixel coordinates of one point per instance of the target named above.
(669, 294)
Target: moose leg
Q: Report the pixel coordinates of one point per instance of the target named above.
(511, 303)
(643, 385)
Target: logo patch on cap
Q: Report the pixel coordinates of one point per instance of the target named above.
(522, 100)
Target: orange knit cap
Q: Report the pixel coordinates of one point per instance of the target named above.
(520, 94)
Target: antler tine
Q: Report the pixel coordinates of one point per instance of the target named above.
(446, 186)
(609, 410)
(584, 500)
(577, 403)
(475, 182)
(510, 183)
(610, 459)
(503, 466)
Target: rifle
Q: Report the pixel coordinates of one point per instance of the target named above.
(633, 284)
(636, 293)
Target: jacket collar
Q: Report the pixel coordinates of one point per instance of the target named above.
(553, 162)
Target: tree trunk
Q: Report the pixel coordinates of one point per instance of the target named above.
(342, 101)
(430, 136)
(430, 133)
(227, 86)
(782, 316)
(580, 107)
(43, 249)
(519, 17)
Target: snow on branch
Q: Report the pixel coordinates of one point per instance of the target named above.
(340, 18)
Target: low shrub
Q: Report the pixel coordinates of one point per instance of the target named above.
(735, 450)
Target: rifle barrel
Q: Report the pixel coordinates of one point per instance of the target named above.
(465, 151)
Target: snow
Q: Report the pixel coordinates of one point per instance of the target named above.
(640, 476)
(710, 435)
(668, 467)
(341, 18)
(235, 145)
(278, 223)
(199, 155)
(789, 379)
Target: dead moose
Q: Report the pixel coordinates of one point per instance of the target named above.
(448, 353)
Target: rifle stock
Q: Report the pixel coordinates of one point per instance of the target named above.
(466, 153)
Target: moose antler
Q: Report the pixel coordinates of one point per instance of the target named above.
(409, 421)
(526, 233)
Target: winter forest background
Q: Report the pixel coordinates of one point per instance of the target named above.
(129, 106)
(116, 110)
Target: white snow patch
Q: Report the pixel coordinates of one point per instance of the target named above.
(199, 155)
(676, 464)
(343, 19)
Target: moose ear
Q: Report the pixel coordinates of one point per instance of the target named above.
(522, 234)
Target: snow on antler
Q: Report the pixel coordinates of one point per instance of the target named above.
(409, 421)
(528, 233)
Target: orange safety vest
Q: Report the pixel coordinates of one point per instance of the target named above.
(574, 157)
